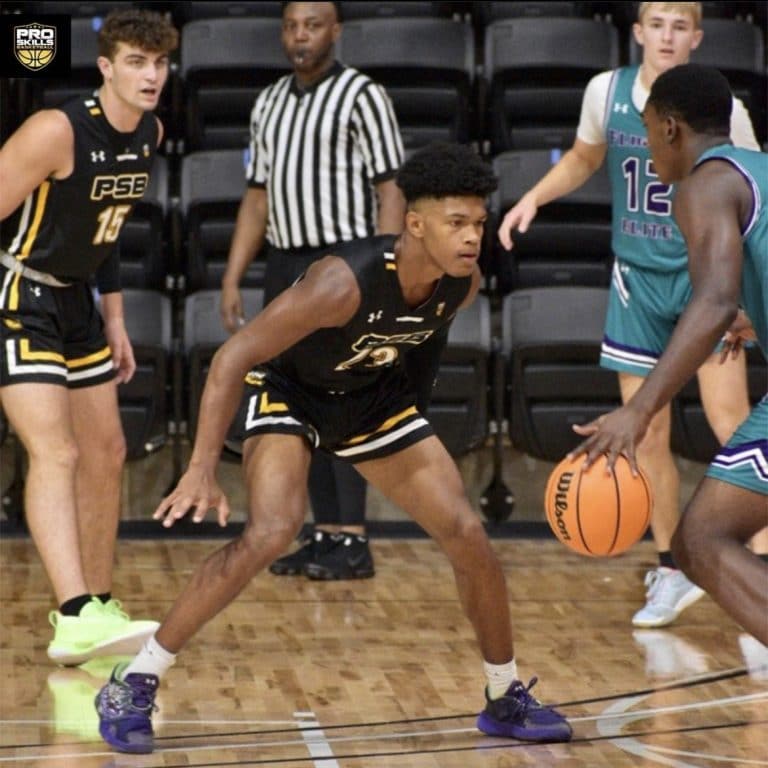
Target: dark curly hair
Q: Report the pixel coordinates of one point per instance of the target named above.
(148, 30)
(696, 94)
(445, 170)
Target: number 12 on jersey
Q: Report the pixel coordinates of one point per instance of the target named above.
(655, 194)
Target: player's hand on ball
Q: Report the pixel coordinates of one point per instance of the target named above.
(614, 434)
(197, 491)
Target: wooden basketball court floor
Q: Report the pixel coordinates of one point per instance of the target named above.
(384, 673)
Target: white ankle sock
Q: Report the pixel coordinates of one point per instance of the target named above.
(152, 659)
(500, 677)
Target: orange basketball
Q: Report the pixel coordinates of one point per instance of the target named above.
(594, 513)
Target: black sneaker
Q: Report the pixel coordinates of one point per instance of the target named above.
(312, 544)
(349, 558)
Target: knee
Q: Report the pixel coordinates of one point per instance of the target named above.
(271, 535)
(691, 548)
(467, 542)
(61, 454)
(112, 449)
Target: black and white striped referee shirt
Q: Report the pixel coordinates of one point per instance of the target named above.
(318, 154)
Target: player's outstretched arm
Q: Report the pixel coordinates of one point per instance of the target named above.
(569, 173)
(327, 297)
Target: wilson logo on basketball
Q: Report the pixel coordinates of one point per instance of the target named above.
(34, 45)
(561, 503)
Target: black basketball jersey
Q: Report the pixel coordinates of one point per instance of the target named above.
(69, 227)
(382, 330)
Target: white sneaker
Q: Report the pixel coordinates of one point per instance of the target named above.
(669, 594)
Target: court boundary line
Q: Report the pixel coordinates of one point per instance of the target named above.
(502, 744)
(689, 682)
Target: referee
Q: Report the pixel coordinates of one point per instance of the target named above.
(325, 146)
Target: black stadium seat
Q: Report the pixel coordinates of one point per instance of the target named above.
(427, 67)
(536, 71)
(212, 186)
(224, 64)
(569, 241)
(203, 335)
(458, 409)
(145, 260)
(144, 400)
(551, 340)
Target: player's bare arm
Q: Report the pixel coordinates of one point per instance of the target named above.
(41, 148)
(708, 207)
(327, 297)
(571, 171)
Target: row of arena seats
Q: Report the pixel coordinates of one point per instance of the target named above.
(536, 355)
(479, 13)
(179, 234)
(515, 84)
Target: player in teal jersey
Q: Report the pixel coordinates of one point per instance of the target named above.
(721, 207)
(650, 285)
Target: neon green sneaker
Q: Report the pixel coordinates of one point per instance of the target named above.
(100, 630)
(72, 692)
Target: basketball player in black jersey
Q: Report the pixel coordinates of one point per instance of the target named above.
(328, 354)
(70, 177)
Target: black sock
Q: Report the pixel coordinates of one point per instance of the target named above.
(105, 597)
(666, 560)
(75, 605)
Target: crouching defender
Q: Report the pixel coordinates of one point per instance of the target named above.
(322, 366)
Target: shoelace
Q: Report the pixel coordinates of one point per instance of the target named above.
(653, 581)
(144, 696)
(115, 608)
(138, 696)
(659, 587)
(523, 695)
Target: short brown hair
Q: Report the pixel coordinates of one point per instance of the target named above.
(692, 9)
(148, 30)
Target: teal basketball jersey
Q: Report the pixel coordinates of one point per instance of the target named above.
(753, 166)
(644, 233)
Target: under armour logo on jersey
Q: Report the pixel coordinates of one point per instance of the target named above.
(623, 108)
(374, 316)
(35, 289)
(98, 157)
(440, 308)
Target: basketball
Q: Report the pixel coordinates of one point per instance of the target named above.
(35, 58)
(594, 513)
